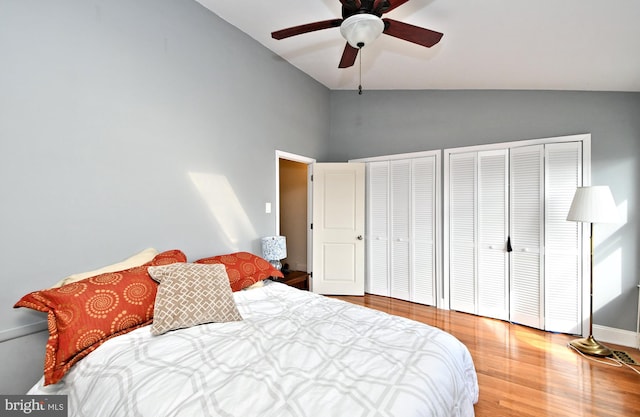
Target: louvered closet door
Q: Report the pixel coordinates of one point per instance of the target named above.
(423, 174)
(378, 228)
(493, 283)
(400, 182)
(562, 290)
(527, 225)
(462, 231)
(520, 194)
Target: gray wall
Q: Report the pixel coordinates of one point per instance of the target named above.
(389, 122)
(126, 124)
(133, 123)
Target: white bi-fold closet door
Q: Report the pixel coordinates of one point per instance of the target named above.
(510, 253)
(402, 216)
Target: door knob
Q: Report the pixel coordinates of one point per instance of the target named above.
(359, 237)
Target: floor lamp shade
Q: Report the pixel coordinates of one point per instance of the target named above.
(593, 204)
(274, 248)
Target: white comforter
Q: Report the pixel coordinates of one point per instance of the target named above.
(294, 354)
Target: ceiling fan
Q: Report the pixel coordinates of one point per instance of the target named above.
(361, 24)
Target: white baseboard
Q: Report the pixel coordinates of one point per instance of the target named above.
(616, 336)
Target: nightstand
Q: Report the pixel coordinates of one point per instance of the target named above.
(297, 279)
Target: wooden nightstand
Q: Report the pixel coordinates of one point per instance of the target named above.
(297, 279)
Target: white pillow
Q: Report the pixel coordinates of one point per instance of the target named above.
(138, 259)
(255, 285)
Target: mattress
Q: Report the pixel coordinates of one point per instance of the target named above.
(294, 353)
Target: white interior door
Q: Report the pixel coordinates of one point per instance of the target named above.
(478, 225)
(338, 228)
(377, 281)
(401, 227)
(493, 224)
(562, 261)
(527, 233)
(423, 220)
(510, 252)
(400, 181)
(463, 231)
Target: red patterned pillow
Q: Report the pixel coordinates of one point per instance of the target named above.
(243, 268)
(84, 314)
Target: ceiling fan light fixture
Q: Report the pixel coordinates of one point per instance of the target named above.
(361, 29)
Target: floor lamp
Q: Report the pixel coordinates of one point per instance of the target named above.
(592, 205)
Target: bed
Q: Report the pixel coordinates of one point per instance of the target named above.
(293, 353)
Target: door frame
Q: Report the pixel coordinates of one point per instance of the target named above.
(309, 162)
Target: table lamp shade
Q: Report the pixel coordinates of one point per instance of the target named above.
(593, 204)
(274, 248)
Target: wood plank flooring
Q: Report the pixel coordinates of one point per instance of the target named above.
(527, 372)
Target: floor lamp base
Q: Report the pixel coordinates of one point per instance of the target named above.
(590, 346)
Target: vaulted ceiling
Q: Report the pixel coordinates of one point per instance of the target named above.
(487, 44)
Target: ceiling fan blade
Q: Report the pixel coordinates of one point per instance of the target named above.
(377, 5)
(309, 27)
(348, 56)
(415, 34)
(351, 4)
(393, 4)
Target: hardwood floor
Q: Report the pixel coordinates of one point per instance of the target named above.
(528, 372)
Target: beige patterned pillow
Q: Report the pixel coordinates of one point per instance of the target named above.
(191, 294)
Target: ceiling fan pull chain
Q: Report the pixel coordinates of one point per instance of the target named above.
(360, 84)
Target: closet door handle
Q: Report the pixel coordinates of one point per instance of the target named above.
(359, 237)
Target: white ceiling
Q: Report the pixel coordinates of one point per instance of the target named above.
(487, 44)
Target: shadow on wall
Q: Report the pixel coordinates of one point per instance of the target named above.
(609, 285)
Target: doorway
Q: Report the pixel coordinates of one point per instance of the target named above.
(298, 201)
(293, 208)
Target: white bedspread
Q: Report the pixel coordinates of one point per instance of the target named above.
(295, 354)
